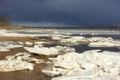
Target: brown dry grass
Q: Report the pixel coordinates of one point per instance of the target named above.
(23, 39)
(9, 27)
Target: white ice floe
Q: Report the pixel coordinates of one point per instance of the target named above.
(19, 61)
(16, 62)
(103, 42)
(39, 43)
(24, 57)
(92, 42)
(101, 39)
(49, 51)
(13, 65)
(20, 43)
(59, 36)
(11, 46)
(8, 45)
(89, 65)
(88, 75)
(4, 49)
(29, 43)
(75, 40)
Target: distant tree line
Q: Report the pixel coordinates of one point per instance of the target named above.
(5, 20)
(117, 27)
(102, 27)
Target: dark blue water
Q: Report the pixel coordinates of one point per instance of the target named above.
(82, 48)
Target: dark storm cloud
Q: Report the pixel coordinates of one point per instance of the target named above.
(72, 12)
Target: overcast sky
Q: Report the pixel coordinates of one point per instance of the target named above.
(62, 12)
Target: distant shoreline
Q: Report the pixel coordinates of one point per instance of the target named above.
(84, 28)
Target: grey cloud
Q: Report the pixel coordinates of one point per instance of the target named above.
(72, 12)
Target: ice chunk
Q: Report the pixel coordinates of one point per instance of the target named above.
(49, 51)
(4, 49)
(75, 40)
(83, 75)
(91, 65)
(24, 57)
(101, 39)
(8, 45)
(103, 42)
(13, 65)
(29, 43)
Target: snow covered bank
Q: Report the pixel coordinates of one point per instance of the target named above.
(90, 65)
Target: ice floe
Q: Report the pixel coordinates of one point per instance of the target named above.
(103, 42)
(59, 36)
(74, 40)
(101, 39)
(19, 61)
(39, 43)
(16, 62)
(29, 43)
(3, 49)
(49, 51)
(89, 65)
(8, 45)
(24, 57)
(13, 65)
(92, 42)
